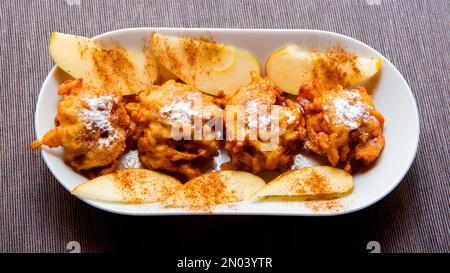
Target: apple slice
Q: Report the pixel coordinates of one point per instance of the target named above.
(216, 188)
(207, 65)
(165, 75)
(291, 66)
(104, 65)
(319, 182)
(129, 186)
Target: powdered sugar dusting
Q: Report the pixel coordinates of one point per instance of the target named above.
(106, 141)
(130, 160)
(353, 95)
(97, 118)
(301, 161)
(255, 109)
(180, 110)
(290, 119)
(219, 159)
(264, 121)
(348, 112)
(252, 111)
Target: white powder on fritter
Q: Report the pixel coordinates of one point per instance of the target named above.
(98, 115)
(263, 117)
(353, 95)
(350, 113)
(301, 161)
(219, 159)
(130, 160)
(290, 119)
(182, 111)
(97, 118)
(252, 112)
(106, 141)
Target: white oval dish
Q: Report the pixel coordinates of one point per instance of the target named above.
(392, 97)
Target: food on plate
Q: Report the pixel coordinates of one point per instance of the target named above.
(205, 64)
(320, 182)
(129, 160)
(165, 74)
(215, 188)
(103, 64)
(158, 111)
(249, 153)
(92, 126)
(129, 186)
(342, 124)
(292, 66)
(187, 106)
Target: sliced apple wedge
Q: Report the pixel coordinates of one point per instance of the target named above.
(319, 182)
(165, 74)
(207, 65)
(129, 186)
(291, 66)
(104, 65)
(216, 188)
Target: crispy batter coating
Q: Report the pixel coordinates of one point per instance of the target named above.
(342, 124)
(92, 126)
(248, 154)
(161, 108)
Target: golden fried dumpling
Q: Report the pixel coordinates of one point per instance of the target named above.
(158, 110)
(250, 153)
(342, 124)
(92, 126)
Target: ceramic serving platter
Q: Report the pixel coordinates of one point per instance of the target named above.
(391, 94)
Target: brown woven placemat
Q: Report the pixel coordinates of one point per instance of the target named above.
(39, 215)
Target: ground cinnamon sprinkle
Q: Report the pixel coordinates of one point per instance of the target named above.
(113, 62)
(191, 51)
(206, 191)
(315, 183)
(150, 61)
(166, 191)
(169, 55)
(331, 67)
(124, 181)
(174, 63)
(126, 184)
(200, 54)
(325, 205)
(208, 52)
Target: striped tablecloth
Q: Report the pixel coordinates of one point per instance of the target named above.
(39, 215)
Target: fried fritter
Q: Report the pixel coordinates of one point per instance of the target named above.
(162, 108)
(248, 154)
(342, 124)
(92, 126)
